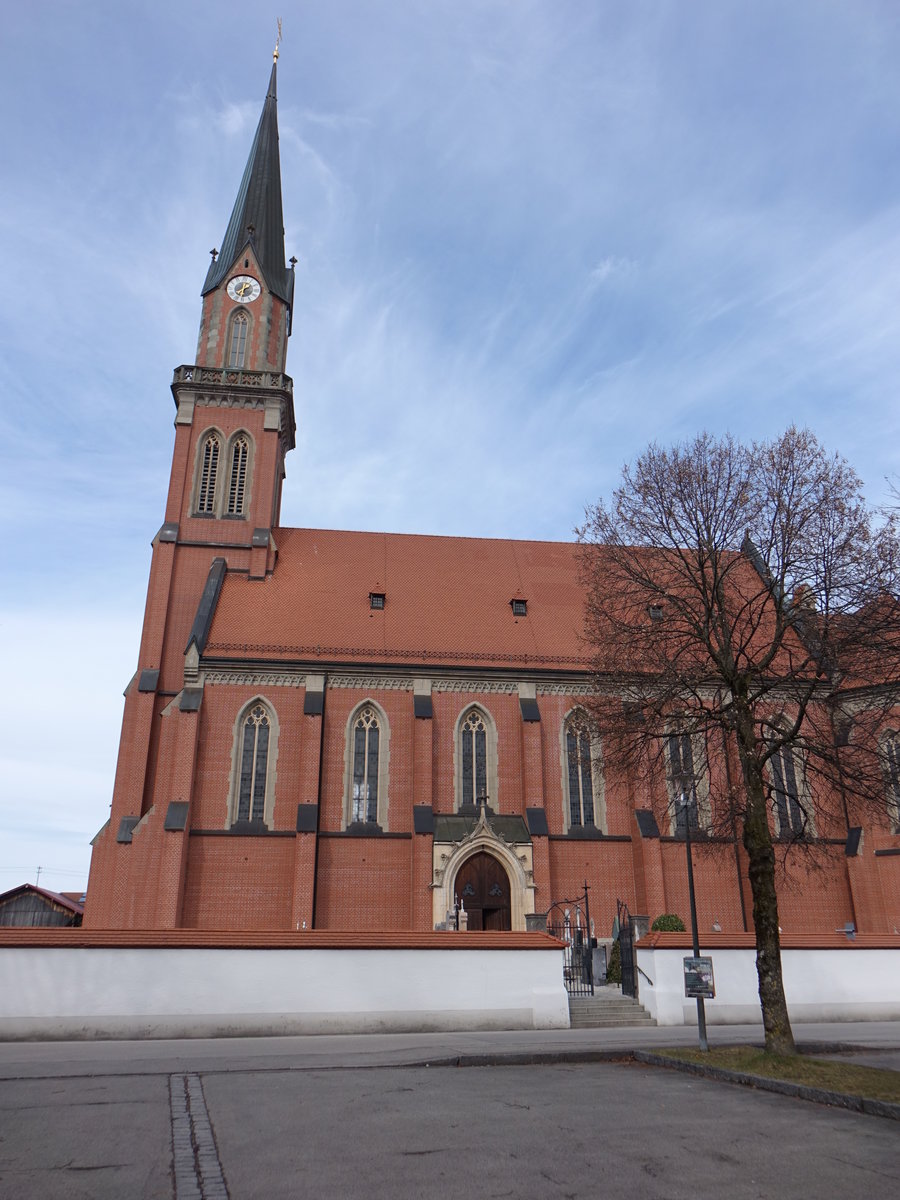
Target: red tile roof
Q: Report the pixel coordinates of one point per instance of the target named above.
(309, 939)
(447, 602)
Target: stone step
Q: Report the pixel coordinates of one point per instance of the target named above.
(611, 1021)
(606, 1009)
(602, 997)
(625, 1010)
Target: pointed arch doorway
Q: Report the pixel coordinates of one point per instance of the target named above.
(482, 886)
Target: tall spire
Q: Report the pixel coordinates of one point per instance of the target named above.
(257, 217)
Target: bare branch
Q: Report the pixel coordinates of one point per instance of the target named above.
(749, 590)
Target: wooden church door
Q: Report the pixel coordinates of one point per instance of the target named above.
(482, 886)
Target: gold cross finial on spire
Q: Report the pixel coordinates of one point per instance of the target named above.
(277, 40)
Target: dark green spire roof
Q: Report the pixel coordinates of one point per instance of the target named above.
(257, 219)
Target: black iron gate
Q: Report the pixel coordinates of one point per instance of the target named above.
(626, 949)
(570, 921)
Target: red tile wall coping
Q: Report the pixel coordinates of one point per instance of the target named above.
(196, 939)
(789, 941)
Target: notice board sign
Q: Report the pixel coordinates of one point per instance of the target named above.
(698, 979)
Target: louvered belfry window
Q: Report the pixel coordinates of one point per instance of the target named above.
(240, 453)
(209, 466)
(254, 764)
(237, 343)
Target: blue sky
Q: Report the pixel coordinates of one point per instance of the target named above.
(533, 237)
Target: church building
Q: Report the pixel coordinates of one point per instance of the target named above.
(364, 731)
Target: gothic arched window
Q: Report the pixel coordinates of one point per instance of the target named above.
(237, 476)
(367, 759)
(237, 340)
(210, 450)
(473, 754)
(688, 780)
(365, 767)
(791, 816)
(890, 750)
(579, 773)
(254, 763)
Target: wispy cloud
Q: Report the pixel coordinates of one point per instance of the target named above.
(532, 236)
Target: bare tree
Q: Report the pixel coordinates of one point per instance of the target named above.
(747, 590)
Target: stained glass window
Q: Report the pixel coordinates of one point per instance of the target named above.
(364, 799)
(474, 758)
(254, 764)
(580, 774)
(891, 748)
(789, 812)
(683, 782)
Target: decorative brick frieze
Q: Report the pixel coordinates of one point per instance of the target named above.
(369, 683)
(256, 678)
(476, 686)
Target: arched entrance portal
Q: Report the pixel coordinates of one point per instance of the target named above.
(482, 886)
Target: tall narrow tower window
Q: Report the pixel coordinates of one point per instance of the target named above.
(209, 466)
(237, 342)
(237, 483)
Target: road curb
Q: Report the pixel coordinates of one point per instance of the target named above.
(871, 1108)
(527, 1058)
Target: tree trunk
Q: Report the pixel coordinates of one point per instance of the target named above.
(757, 838)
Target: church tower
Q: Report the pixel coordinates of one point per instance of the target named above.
(235, 418)
(234, 425)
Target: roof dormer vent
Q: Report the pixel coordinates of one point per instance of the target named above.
(519, 607)
(376, 600)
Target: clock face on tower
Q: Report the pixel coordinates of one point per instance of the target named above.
(243, 288)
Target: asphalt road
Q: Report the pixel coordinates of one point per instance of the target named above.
(298, 1118)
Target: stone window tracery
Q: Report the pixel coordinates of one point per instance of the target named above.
(688, 781)
(890, 748)
(253, 770)
(473, 745)
(367, 760)
(580, 773)
(791, 816)
(364, 806)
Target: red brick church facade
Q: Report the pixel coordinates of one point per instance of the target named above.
(351, 731)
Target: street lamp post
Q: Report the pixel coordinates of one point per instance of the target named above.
(701, 1008)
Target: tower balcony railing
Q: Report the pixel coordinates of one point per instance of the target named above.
(228, 377)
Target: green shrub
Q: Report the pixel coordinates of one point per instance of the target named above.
(668, 923)
(614, 966)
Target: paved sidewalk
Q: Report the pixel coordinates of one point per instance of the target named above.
(291, 1117)
(33, 1060)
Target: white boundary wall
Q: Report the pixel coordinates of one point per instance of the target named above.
(849, 984)
(122, 992)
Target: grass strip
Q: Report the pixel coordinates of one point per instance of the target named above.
(816, 1075)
